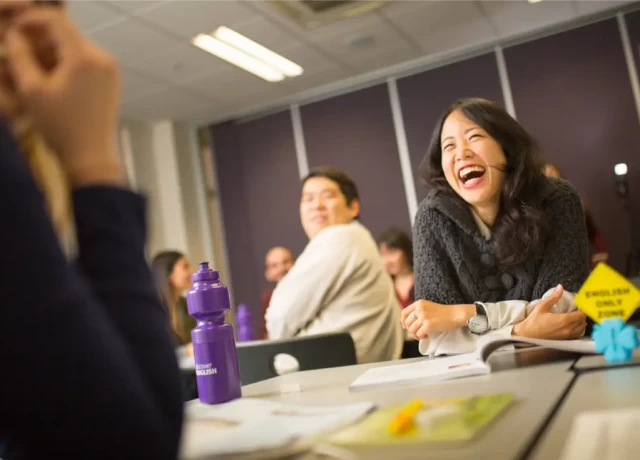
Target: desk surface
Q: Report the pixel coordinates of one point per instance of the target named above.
(598, 361)
(335, 381)
(537, 389)
(598, 390)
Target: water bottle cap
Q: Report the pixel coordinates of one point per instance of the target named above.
(205, 274)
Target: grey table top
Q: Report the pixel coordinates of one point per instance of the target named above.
(537, 389)
(598, 361)
(597, 390)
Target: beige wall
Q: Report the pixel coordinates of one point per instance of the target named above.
(165, 164)
(166, 161)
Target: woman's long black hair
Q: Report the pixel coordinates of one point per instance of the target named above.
(521, 225)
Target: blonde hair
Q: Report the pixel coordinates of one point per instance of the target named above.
(50, 178)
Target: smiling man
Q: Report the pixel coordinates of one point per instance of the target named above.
(338, 283)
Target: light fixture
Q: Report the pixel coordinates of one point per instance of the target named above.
(622, 187)
(239, 41)
(535, 1)
(620, 169)
(236, 57)
(243, 52)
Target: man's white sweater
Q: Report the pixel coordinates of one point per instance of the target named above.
(339, 284)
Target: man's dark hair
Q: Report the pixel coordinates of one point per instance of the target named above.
(345, 183)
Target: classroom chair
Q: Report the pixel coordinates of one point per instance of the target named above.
(256, 359)
(410, 350)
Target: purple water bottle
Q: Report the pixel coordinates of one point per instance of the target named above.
(243, 323)
(214, 348)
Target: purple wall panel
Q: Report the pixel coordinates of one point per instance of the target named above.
(355, 132)
(260, 193)
(426, 95)
(572, 91)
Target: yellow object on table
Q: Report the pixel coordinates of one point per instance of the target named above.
(404, 420)
(607, 294)
(448, 420)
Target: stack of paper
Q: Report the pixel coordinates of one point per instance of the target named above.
(604, 435)
(425, 371)
(254, 428)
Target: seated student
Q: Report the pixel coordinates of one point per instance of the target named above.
(598, 251)
(338, 283)
(172, 275)
(277, 263)
(88, 369)
(396, 250)
(495, 231)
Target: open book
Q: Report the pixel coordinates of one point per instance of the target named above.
(452, 367)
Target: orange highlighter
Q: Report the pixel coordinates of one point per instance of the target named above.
(403, 421)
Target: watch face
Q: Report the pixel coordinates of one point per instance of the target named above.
(479, 324)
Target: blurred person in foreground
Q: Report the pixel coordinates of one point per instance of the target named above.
(88, 367)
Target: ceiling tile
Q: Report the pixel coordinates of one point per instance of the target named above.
(206, 116)
(135, 85)
(514, 18)
(187, 18)
(180, 63)
(310, 80)
(234, 86)
(402, 7)
(307, 57)
(318, 33)
(383, 38)
(87, 15)
(445, 26)
(173, 103)
(341, 27)
(265, 32)
(129, 40)
(386, 59)
(134, 6)
(164, 77)
(594, 6)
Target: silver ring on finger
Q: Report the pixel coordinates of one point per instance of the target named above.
(412, 317)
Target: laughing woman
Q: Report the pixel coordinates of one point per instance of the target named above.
(498, 247)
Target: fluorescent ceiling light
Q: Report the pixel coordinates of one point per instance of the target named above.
(239, 41)
(535, 1)
(236, 57)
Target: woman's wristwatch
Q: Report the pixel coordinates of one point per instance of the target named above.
(479, 324)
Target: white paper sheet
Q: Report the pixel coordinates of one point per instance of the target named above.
(604, 435)
(425, 371)
(249, 425)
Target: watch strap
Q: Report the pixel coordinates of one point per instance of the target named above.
(480, 309)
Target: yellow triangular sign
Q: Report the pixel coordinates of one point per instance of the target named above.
(607, 294)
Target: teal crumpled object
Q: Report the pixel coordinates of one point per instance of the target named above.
(615, 339)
